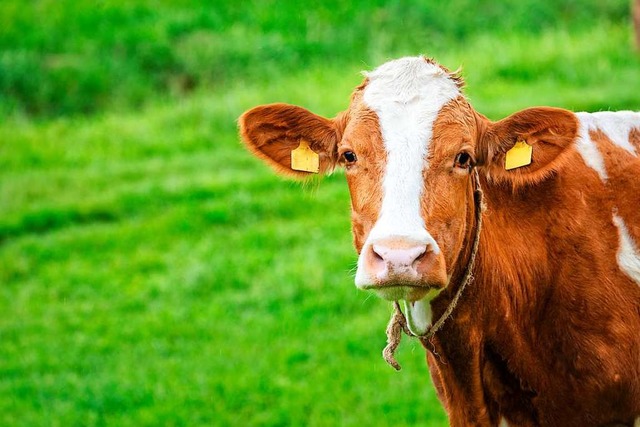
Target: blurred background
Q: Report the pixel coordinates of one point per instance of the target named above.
(153, 273)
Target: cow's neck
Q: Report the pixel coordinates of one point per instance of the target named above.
(513, 256)
(507, 259)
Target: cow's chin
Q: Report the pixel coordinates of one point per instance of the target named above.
(401, 292)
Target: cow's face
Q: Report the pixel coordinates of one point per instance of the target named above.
(408, 149)
(408, 142)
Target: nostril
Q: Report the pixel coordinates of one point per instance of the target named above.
(376, 262)
(376, 256)
(376, 259)
(419, 258)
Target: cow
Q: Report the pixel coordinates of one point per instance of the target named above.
(547, 332)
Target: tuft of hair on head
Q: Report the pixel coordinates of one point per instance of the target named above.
(456, 75)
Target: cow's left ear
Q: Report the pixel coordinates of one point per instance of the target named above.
(548, 132)
(271, 132)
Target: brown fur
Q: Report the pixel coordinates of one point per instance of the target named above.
(548, 332)
(551, 308)
(362, 135)
(634, 138)
(622, 169)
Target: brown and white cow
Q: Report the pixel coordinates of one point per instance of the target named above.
(548, 333)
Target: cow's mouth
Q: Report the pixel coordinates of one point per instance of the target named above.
(400, 290)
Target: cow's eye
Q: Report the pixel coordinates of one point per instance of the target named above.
(464, 160)
(349, 157)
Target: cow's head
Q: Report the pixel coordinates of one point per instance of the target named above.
(408, 143)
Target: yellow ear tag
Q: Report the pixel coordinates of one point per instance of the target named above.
(304, 158)
(519, 155)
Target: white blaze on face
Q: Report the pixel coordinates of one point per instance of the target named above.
(628, 253)
(407, 95)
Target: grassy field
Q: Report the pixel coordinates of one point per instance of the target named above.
(153, 273)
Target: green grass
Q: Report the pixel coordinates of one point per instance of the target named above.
(153, 273)
(77, 57)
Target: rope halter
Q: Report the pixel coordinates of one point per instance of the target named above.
(398, 322)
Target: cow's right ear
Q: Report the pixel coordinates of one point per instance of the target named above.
(272, 131)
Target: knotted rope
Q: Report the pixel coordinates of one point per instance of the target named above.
(398, 322)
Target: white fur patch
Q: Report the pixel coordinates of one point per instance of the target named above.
(418, 314)
(503, 423)
(587, 148)
(628, 254)
(407, 95)
(617, 126)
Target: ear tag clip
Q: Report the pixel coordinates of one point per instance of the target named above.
(304, 158)
(519, 155)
